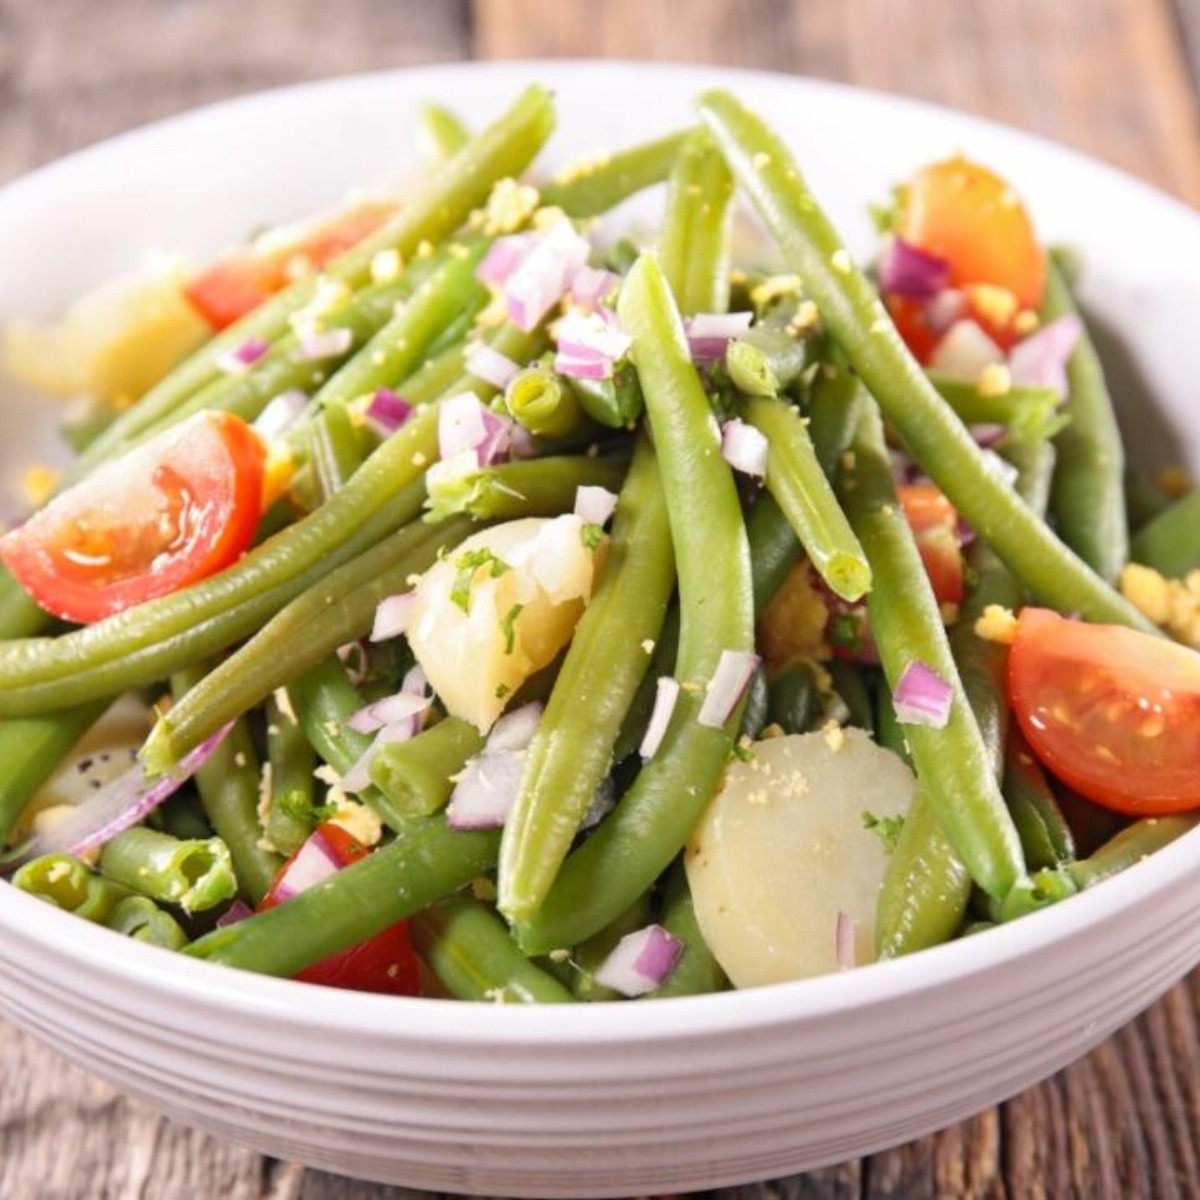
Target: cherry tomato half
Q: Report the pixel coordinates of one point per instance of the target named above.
(934, 522)
(1112, 712)
(173, 511)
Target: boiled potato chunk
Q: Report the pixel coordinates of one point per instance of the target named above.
(783, 848)
(498, 608)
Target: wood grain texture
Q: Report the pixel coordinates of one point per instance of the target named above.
(1113, 77)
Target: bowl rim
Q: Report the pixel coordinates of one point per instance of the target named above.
(683, 1018)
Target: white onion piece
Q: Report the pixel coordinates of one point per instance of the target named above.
(590, 287)
(1041, 359)
(399, 707)
(515, 730)
(728, 685)
(965, 351)
(665, 698)
(280, 414)
(387, 412)
(461, 424)
(709, 334)
(491, 366)
(583, 366)
(502, 258)
(239, 910)
(415, 682)
(392, 617)
(578, 334)
(845, 936)
(640, 961)
(313, 863)
(319, 344)
(907, 270)
(594, 504)
(486, 791)
(922, 697)
(744, 448)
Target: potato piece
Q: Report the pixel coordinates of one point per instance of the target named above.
(524, 585)
(783, 848)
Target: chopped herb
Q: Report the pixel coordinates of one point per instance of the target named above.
(743, 753)
(508, 627)
(886, 829)
(846, 632)
(467, 565)
(591, 535)
(502, 690)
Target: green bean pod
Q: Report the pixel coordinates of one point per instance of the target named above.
(291, 791)
(19, 616)
(196, 875)
(138, 917)
(1134, 843)
(335, 450)
(417, 776)
(541, 402)
(697, 972)
(441, 131)
(1045, 835)
(1030, 414)
(70, 885)
(1170, 543)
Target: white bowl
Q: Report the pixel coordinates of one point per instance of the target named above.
(619, 1099)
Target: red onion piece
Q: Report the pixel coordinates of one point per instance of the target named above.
(392, 616)
(487, 789)
(845, 938)
(415, 682)
(239, 910)
(1041, 359)
(502, 258)
(922, 697)
(640, 961)
(728, 685)
(515, 730)
(596, 333)
(965, 350)
(358, 778)
(590, 286)
(907, 270)
(542, 276)
(665, 699)
(461, 424)
(583, 366)
(944, 309)
(744, 448)
(119, 806)
(387, 412)
(709, 334)
(313, 863)
(398, 707)
(499, 442)
(318, 344)
(594, 504)
(241, 358)
(491, 366)
(280, 415)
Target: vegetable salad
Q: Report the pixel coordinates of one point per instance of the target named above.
(442, 602)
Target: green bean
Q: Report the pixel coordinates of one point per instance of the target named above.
(19, 615)
(196, 875)
(697, 972)
(850, 687)
(289, 818)
(774, 549)
(572, 750)
(436, 375)
(426, 862)
(1170, 543)
(229, 784)
(1088, 500)
(834, 406)
(182, 817)
(442, 132)
(149, 641)
(503, 149)
(617, 402)
(792, 698)
(802, 491)
(1029, 413)
(768, 358)
(662, 662)
(634, 845)
(32, 749)
(138, 917)
(417, 776)
(1045, 835)
(587, 189)
(70, 885)
(1144, 499)
(338, 610)
(335, 450)
(1134, 843)
(515, 344)
(952, 762)
(888, 730)
(856, 318)
(472, 953)
(324, 699)
(590, 955)
(695, 238)
(542, 403)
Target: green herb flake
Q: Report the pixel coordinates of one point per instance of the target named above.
(591, 536)
(886, 829)
(468, 565)
(508, 627)
(502, 690)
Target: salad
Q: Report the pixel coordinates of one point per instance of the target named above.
(447, 600)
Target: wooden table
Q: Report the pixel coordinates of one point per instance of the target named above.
(1117, 78)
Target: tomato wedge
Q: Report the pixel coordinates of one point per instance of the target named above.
(1112, 712)
(176, 510)
(238, 283)
(385, 963)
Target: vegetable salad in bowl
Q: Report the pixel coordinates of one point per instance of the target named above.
(447, 601)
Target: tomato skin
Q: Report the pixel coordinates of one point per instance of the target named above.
(230, 289)
(175, 510)
(385, 964)
(1112, 712)
(934, 522)
(970, 217)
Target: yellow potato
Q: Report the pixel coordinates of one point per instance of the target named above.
(783, 849)
(516, 620)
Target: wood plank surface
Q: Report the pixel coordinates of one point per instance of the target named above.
(1113, 77)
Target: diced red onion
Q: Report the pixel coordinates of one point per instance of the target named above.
(491, 366)
(398, 707)
(845, 939)
(665, 698)
(944, 309)
(515, 730)
(578, 335)
(965, 350)
(502, 258)
(387, 412)
(989, 435)
(709, 334)
(999, 468)
(500, 439)
(392, 616)
(125, 802)
(318, 344)
(354, 657)
(486, 791)
(744, 448)
(590, 286)
(280, 415)
(583, 366)
(415, 682)
(241, 358)
(1041, 359)
(313, 863)
(907, 270)
(358, 778)
(543, 275)
(922, 697)
(728, 685)
(461, 424)
(640, 961)
(239, 910)
(594, 504)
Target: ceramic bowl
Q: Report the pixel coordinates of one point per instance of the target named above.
(618, 1099)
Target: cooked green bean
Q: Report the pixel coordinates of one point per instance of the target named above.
(697, 972)
(590, 955)
(792, 701)
(436, 376)
(889, 732)
(19, 615)
(335, 450)
(417, 776)
(802, 491)
(632, 847)
(543, 403)
(662, 662)
(291, 760)
(774, 549)
(442, 132)
(1029, 413)
(1170, 543)
(1144, 499)
(1045, 835)
(196, 875)
(834, 406)
(572, 750)
(935, 437)
(592, 187)
(470, 950)
(324, 699)
(850, 687)
(1088, 500)
(617, 402)
(70, 885)
(357, 902)
(138, 917)
(1134, 843)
